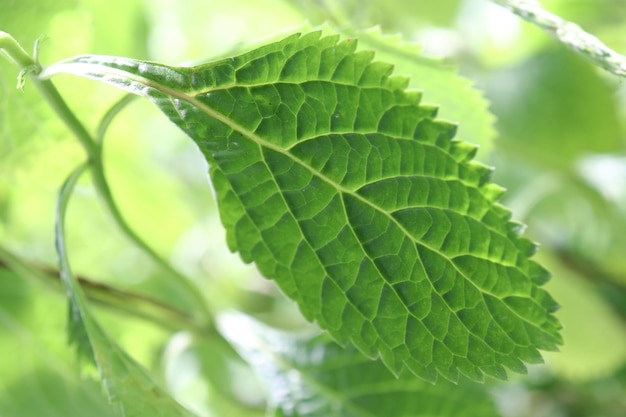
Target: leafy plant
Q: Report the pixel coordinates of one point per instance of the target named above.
(340, 185)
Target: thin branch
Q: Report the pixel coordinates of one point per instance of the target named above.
(116, 299)
(568, 33)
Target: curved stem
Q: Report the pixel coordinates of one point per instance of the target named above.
(110, 115)
(181, 283)
(59, 225)
(17, 55)
(78, 320)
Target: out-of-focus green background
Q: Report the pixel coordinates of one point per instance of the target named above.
(560, 151)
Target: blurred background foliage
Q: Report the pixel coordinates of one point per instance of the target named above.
(559, 150)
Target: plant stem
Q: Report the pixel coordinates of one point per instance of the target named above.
(79, 322)
(570, 34)
(14, 52)
(110, 115)
(17, 55)
(183, 283)
(56, 102)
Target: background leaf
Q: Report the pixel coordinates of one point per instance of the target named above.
(41, 378)
(129, 386)
(390, 14)
(533, 115)
(584, 338)
(339, 185)
(310, 377)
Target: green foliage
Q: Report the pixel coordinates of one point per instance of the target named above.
(39, 376)
(315, 377)
(337, 176)
(387, 13)
(340, 186)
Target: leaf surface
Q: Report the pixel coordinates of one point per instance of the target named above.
(314, 377)
(338, 184)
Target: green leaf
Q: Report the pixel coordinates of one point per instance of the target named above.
(127, 384)
(315, 377)
(460, 101)
(341, 187)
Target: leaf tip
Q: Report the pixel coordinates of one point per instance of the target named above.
(463, 151)
(426, 373)
(538, 274)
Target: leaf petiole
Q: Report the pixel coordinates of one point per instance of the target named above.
(110, 115)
